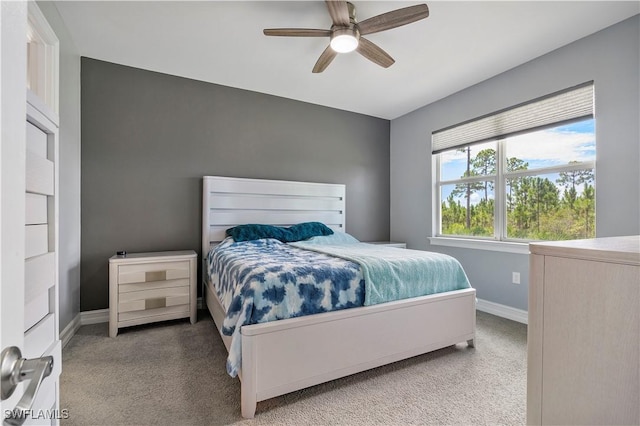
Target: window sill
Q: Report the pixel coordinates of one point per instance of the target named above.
(503, 246)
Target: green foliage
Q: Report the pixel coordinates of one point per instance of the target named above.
(536, 210)
(454, 218)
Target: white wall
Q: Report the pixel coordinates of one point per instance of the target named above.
(69, 255)
(611, 59)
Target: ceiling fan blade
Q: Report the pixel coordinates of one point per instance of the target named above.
(393, 19)
(374, 53)
(339, 12)
(296, 32)
(324, 60)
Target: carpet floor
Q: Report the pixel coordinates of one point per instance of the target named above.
(173, 373)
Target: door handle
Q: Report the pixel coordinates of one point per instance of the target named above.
(15, 369)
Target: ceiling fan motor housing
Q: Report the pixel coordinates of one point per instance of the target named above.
(348, 36)
(343, 39)
(351, 30)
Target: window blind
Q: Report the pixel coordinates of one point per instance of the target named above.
(570, 104)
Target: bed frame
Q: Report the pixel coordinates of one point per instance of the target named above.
(287, 355)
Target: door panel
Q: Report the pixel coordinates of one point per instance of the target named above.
(40, 174)
(35, 309)
(36, 239)
(36, 209)
(13, 29)
(36, 141)
(28, 215)
(39, 272)
(41, 316)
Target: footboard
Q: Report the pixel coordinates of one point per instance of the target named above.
(284, 356)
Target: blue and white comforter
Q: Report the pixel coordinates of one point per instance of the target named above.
(266, 280)
(394, 274)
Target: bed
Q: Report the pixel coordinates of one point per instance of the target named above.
(290, 354)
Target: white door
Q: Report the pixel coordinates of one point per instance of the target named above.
(28, 236)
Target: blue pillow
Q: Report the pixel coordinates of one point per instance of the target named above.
(303, 231)
(254, 231)
(299, 232)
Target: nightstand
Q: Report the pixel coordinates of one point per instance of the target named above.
(150, 287)
(388, 244)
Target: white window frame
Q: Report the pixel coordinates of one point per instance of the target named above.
(499, 241)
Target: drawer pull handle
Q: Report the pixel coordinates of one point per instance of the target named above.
(160, 302)
(155, 276)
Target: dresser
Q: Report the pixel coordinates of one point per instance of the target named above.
(150, 287)
(584, 332)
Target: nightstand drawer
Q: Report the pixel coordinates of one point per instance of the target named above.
(153, 303)
(152, 285)
(152, 314)
(153, 293)
(149, 272)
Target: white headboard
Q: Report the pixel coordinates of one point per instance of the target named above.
(227, 202)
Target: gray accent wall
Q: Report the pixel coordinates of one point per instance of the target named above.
(69, 161)
(148, 138)
(611, 59)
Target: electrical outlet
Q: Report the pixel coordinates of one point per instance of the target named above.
(516, 277)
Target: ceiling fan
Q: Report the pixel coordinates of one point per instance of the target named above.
(346, 33)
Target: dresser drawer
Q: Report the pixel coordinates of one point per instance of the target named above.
(150, 272)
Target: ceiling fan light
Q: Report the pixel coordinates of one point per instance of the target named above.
(344, 43)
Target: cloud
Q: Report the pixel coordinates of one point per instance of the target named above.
(552, 146)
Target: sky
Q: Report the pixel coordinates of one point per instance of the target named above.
(544, 148)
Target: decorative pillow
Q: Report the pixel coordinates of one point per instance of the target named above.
(303, 231)
(299, 232)
(255, 231)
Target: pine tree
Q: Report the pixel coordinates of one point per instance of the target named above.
(484, 164)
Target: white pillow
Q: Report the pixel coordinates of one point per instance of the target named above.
(337, 237)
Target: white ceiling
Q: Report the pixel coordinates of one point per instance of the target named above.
(460, 44)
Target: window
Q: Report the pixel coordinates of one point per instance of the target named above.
(526, 173)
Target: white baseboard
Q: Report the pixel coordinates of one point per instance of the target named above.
(503, 311)
(94, 317)
(102, 315)
(70, 330)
